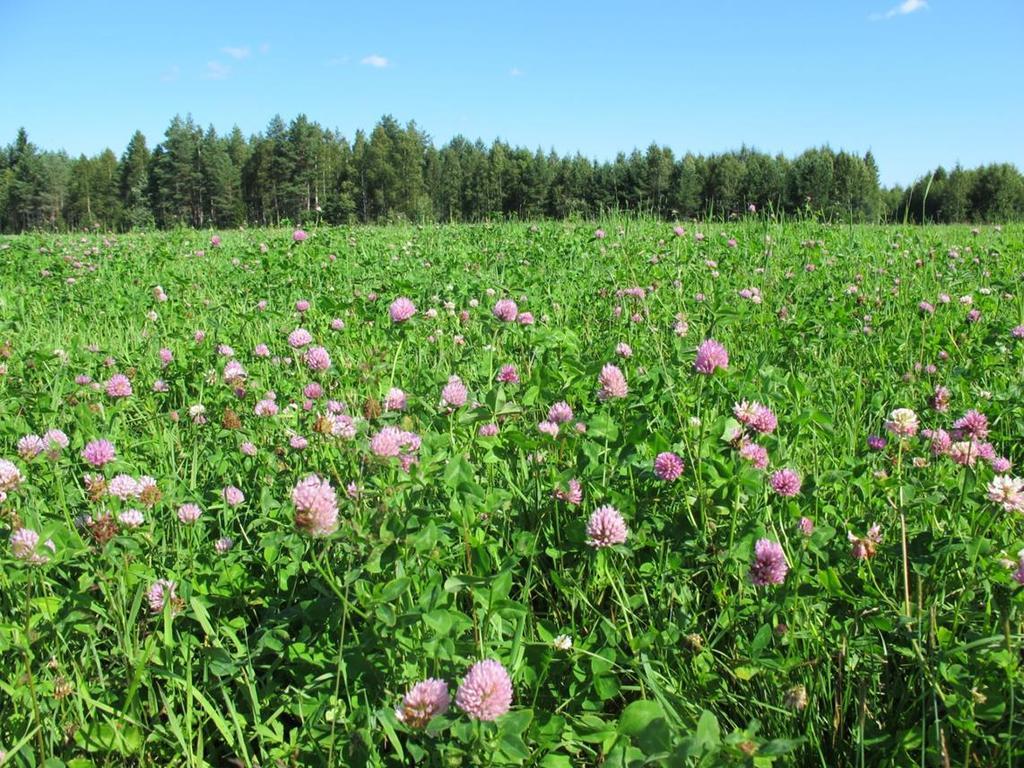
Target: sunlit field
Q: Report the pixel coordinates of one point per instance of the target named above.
(545, 495)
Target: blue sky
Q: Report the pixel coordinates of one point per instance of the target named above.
(919, 83)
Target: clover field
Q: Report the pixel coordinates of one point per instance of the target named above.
(739, 493)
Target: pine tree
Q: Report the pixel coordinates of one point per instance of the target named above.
(133, 176)
(176, 181)
(221, 182)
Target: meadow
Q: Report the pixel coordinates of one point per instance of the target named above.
(620, 493)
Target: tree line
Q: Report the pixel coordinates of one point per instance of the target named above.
(301, 173)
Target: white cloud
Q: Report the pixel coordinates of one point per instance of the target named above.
(216, 71)
(376, 61)
(515, 72)
(903, 9)
(909, 6)
(170, 74)
(237, 53)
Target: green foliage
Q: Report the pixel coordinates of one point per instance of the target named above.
(303, 173)
(992, 193)
(293, 651)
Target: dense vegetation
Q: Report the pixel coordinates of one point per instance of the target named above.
(261, 486)
(302, 173)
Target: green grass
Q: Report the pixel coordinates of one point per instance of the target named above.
(292, 650)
